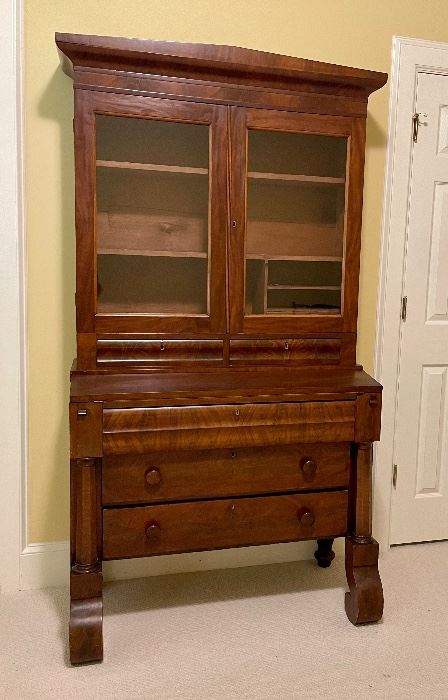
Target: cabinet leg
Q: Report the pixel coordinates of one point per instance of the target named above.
(365, 601)
(324, 554)
(86, 617)
(86, 579)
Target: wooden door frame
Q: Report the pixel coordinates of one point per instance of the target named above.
(409, 57)
(12, 301)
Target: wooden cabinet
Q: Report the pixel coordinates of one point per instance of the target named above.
(215, 398)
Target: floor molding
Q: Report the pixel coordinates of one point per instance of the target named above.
(44, 565)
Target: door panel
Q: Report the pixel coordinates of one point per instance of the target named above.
(294, 251)
(157, 187)
(420, 501)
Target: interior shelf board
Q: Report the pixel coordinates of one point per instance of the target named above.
(303, 310)
(296, 178)
(153, 253)
(302, 258)
(151, 166)
(145, 309)
(298, 286)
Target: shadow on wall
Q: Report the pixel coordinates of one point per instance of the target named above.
(56, 104)
(376, 136)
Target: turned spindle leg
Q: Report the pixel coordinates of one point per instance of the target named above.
(364, 602)
(324, 554)
(86, 604)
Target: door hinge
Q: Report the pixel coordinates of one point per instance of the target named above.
(404, 308)
(394, 476)
(416, 123)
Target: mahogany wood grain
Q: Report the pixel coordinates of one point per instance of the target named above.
(230, 63)
(353, 222)
(368, 417)
(86, 501)
(143, 351)
(223, 523)
(84, 134)
(214, 92)
(222, 455)
(188, 475)
(286, 350)
(86, 630)
(86, 429)
(263, 383)
(199, 427)
(361, 493)
(365, 601)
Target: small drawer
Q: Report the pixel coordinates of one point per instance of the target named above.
(160, 352)
(187, 475)
(297, 351)
(141, 430)
(188, 527)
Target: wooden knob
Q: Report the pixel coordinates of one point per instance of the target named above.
(153, 476)
(308, 466)
(152, 531)
(306, 517)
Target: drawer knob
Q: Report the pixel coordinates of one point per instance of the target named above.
(152, 531)
(306, 517)
(153, 476)
(308, 466)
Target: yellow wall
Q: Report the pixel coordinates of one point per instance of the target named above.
(351, 32)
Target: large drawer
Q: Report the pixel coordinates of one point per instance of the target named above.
(140, 430)
(187, 474)
(186, 527)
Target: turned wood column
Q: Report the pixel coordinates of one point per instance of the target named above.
(86, 558)
(360, 524)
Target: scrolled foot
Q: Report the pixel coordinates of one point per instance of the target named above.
(324, 554)
(365, 602)
(86, 630)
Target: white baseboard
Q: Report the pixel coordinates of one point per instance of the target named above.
(47, 564)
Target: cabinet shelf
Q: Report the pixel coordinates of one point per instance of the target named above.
(306, 287)
(289, 177)
(300, 310)
(125, 165)
(300, 258)
(154, 253)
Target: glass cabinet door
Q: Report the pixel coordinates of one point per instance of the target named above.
(152, 214)
(159, 252)
(291, 233)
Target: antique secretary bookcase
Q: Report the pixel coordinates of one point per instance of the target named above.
(215, 399)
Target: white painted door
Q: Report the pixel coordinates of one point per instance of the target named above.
(420, 498)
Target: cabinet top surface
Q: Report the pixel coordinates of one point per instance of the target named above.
(267, 384)
(178, 58)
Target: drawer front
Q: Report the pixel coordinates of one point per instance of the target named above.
(140, 430)
(189, 527)
(296, 351)
(159, 352)
(186, 475)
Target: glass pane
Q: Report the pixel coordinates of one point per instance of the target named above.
(152, 216)
(295, 223)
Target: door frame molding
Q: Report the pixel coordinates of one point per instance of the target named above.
(409, 56)
(13, 427)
